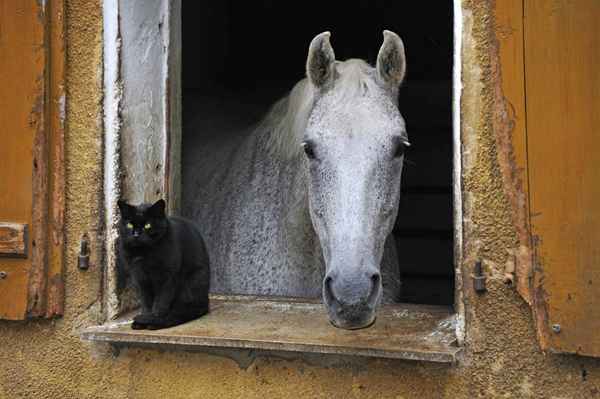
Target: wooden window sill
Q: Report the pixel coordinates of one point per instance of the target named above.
(401, 331)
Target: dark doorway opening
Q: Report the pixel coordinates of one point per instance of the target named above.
(240, 57)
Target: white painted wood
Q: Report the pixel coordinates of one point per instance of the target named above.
(142, 114)
(421, 332)
(143, 71)
(457, 170)
(112, 125)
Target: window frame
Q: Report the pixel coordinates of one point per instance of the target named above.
(167, 182)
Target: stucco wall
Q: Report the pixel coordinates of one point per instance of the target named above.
(46, 359)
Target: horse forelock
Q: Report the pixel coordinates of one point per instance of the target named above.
(287, 119)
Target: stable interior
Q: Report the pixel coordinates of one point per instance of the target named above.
(240, 57)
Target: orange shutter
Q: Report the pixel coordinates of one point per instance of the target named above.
(31, 158)
(562, 80)
(549, 57)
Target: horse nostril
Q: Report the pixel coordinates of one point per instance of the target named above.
(328, 289)
(328, 281)
(375, 277)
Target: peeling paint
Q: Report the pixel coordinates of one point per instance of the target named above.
(143, 74)
(62, 103)
(504, 127)
(39, 218)
(457, 88)
(113, 94)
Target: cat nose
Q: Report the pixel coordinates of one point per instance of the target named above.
(136, 233)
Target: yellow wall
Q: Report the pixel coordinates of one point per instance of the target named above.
(46, 359)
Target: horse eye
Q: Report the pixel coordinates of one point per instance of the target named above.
(129, 226)
(400, 148)
(308, 149)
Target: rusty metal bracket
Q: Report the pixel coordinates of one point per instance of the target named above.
(478, 278)
(83, 262)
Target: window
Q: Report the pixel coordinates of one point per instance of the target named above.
(238, 59)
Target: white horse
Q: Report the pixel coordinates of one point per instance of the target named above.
(303, 205)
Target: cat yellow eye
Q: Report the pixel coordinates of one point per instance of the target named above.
(129, 226)
(147, 226)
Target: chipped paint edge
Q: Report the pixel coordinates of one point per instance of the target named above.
(112, 162)
(166, 100)
(198, 342)
(457, 171)
(117, 332)
(55, 289)
(173, 106)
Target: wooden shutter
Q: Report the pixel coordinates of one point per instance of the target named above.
(549, 57)
(562, 81)
(31, 158)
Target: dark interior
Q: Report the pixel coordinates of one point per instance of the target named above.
(240, 57)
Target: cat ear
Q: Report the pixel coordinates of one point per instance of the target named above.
(125, 208)
(158, 208)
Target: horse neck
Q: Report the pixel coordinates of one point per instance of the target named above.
(286, 175)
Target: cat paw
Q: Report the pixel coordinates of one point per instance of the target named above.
(138, 326)
(164, 323)
(143, 321)
(157, 326)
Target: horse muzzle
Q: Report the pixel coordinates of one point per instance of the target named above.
(352, 302)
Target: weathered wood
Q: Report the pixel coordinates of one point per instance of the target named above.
(22, 95)
(54, 286)
(31, 154)
(39, 212)
(510, 127)
(143, 108)
(173, 109)
(562, 54)
(148, 100)
(415, 332)
(13, 240)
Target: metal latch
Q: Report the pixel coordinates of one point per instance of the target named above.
(83, 262)
(478, 278)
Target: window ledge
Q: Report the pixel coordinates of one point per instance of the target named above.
(402, 331)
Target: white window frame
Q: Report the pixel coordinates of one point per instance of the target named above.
(126, 121)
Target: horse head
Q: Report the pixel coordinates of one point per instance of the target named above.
(354, 145)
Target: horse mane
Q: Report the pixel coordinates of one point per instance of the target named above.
(288, 117)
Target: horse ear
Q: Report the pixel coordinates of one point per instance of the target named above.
(321, 59)
(391, 60)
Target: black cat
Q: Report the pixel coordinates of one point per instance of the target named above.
(167, 260)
